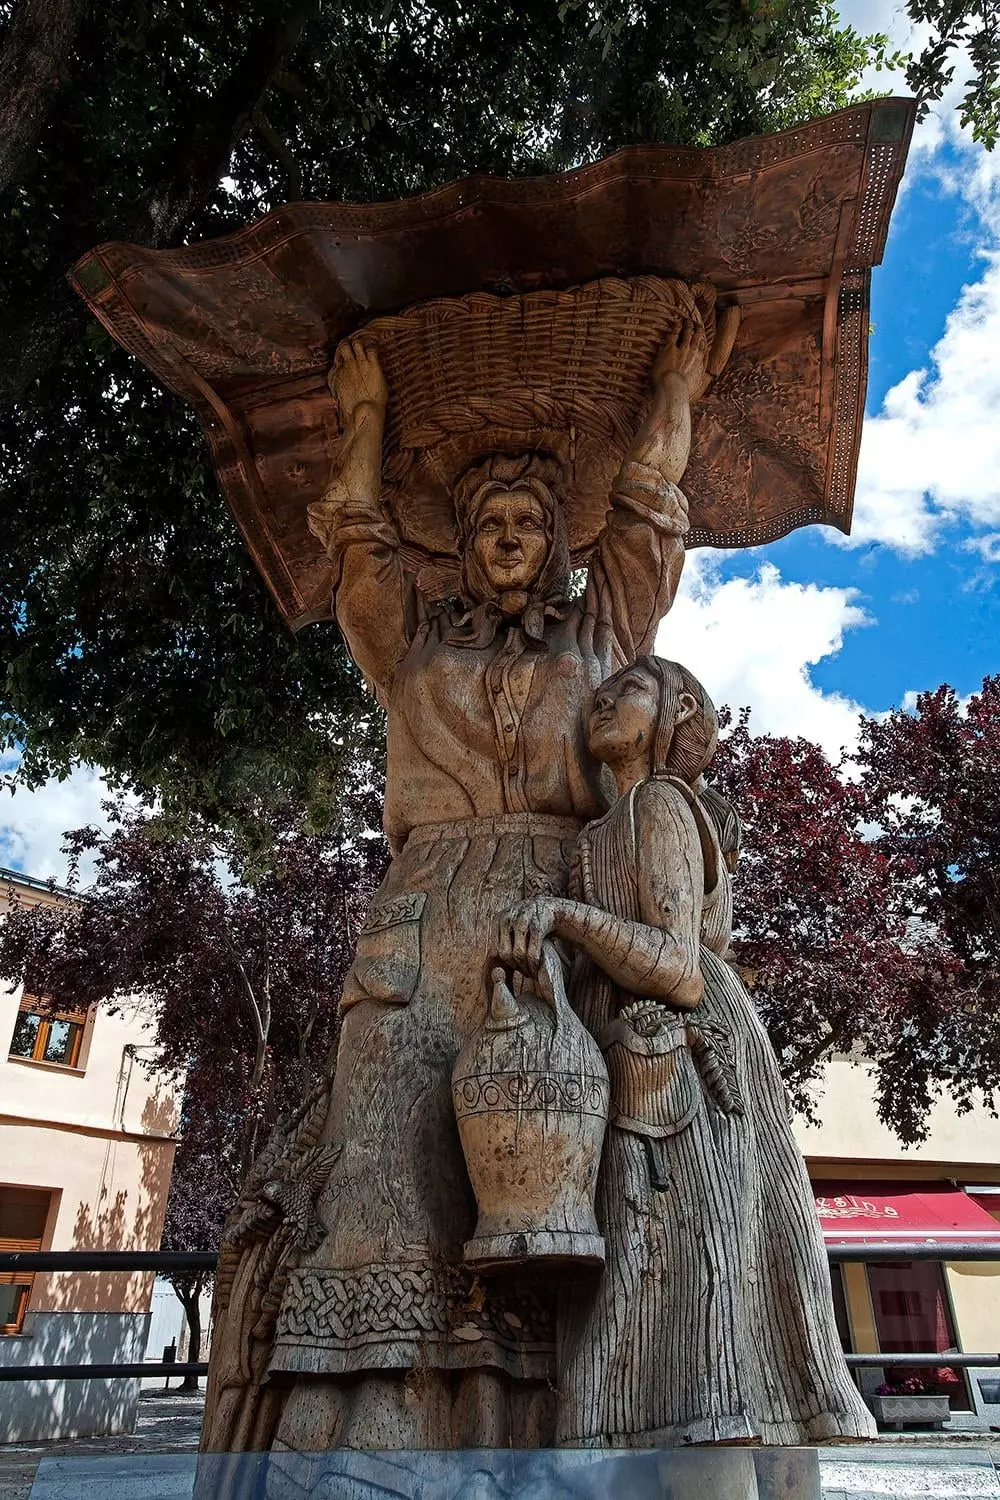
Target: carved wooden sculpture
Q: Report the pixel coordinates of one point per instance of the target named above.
(713, 1321)
(389, 1340)
(486, 480)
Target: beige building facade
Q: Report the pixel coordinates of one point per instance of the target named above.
(86, 1149)
(871, 1190)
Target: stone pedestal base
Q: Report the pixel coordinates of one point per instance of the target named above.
(667, 1474)
(673, 1474)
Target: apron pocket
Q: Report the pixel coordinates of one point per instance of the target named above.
(387, 959)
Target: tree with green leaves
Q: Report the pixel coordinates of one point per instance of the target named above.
(972, 26)
(134, 631)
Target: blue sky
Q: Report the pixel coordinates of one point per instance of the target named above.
(813, 629)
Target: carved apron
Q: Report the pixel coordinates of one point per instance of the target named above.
(386, 1290)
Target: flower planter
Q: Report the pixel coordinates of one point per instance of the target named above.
(910, 1411)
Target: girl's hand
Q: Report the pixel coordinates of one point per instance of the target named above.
(522, 931)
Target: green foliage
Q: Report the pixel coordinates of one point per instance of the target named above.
(975, 26)
(134, 630)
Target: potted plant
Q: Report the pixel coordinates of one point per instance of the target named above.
(908, 1404)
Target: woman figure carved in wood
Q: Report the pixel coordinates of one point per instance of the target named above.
(713, 1320)
(386, 1342)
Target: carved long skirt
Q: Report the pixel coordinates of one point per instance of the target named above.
(391, 1343)
(713, 1321)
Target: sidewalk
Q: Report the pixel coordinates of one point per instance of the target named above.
(167, 1424)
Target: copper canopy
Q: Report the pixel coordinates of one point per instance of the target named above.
(787, 225)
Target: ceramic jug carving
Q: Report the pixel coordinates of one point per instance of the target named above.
(531, 1097)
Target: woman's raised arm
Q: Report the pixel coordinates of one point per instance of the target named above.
(637, 566)
(370, 588)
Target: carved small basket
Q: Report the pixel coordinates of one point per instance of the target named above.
(531, 1096)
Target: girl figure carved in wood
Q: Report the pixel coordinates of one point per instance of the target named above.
(713, 1320)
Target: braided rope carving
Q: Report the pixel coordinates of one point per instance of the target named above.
(410, 1301)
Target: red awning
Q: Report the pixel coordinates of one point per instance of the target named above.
(877, 1213)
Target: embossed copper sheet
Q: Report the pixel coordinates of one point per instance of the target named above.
(788, 226)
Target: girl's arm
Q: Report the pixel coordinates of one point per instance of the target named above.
(656, 957)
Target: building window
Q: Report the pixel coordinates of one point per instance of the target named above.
(23, 1214)
(45, 1035)
(913, 1315)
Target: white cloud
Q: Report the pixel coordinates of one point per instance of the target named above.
(987, 546)
(32, 822)
(752, 641)
(932, 454)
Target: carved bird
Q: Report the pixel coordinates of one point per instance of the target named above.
(294, 1196)
(288, 1196)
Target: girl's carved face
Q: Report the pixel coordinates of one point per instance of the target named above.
(623, 719)
(510, 541)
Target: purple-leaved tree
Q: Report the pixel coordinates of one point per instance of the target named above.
(240, 959)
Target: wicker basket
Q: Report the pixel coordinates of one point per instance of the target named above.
(566, 373)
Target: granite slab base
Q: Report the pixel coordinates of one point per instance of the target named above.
(666, 1474)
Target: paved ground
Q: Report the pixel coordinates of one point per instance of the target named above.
(919, 1466)
(167, 1424)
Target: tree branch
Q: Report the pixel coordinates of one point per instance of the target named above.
(272, 140)
(33, 66)
(260, 1027)
(203, 155)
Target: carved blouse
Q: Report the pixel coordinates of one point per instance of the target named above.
(480, 730)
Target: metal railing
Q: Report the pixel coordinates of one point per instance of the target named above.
(24, 1261)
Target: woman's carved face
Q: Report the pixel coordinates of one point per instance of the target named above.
(510, 540)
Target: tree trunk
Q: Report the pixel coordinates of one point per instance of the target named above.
(34, 64)
(189, 1297)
